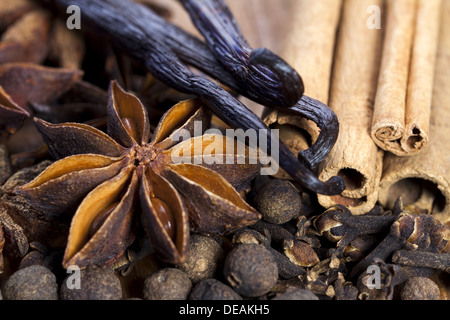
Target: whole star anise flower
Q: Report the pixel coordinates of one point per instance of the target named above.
(109, 172)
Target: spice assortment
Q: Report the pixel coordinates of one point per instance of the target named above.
(94, 205)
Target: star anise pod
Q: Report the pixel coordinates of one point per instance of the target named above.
(23, 84)
(12, 115)
(107, 173)
(54, 94)
(28, 83)
(32, 34)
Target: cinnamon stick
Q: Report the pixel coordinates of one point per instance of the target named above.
(309, 46)
(355, 157)
(424, 179)
(402, 106)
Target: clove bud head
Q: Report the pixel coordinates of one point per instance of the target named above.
(327, 225)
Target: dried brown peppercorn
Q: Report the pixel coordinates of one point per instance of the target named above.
(250, 269)
(39, 254)
(278, 201)
(167, 284)
(286, 268)
(420, 288)
(95, 284)
(213, 289)
(203, 258)
(31, 283)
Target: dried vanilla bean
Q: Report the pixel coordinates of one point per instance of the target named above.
(223, 36)
(116, 18)
(194, 52)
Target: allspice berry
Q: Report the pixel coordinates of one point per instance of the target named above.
(167, 284)
(278, 201)
(31, 283)
(420, 288)
(213, 289)
(203, 258)
(250, 269)
(94, 284)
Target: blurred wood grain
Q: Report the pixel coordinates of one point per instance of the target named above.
(262, 22)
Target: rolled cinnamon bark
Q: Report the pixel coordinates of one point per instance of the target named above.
(403, 101)
(355, 156)
(309, 45)
(424, 179)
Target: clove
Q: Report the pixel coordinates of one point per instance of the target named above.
(277, 233)
(360, 247)
(344, 290)
(286, 268)
(409, 232)
(337, 224)
(438, 261)
(391, 275)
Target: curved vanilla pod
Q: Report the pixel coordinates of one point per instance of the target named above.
(116, 19)
(193, 52)
(190, 50)
(326, 121)
(259, 71)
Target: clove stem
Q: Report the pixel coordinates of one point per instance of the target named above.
(389, 244)
(438, 261)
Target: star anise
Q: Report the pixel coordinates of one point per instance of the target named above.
(32, 34)
(22, 84)
(107, 173)
(12, 116)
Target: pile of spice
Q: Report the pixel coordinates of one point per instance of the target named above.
(94, 205)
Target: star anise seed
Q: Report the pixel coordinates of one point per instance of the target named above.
(108, 172)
